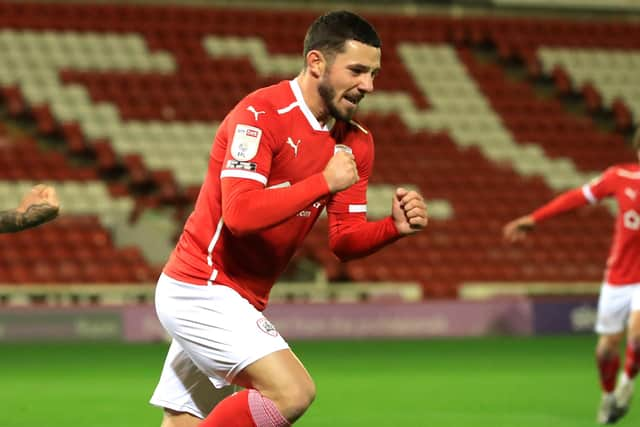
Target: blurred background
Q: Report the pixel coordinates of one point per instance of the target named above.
(488, 107)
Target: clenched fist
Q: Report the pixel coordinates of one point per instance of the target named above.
(39, 195)
(341, 172)
(38, 206)
(409, 211)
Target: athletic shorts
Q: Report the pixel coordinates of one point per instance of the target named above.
(216, 334)
(614, 306)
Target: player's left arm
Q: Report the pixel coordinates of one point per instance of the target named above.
(409, 211)
(38, 206)
(351, 235)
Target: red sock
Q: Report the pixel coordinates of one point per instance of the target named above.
(608, 369)
(232, 411)
(247, 408)
(632, 363)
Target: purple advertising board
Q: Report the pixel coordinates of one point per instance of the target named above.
(401, 320)
(320, 320)
(17, 324)
(294, 321)
(559, 316)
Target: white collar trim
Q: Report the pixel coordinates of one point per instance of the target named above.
(297, 92)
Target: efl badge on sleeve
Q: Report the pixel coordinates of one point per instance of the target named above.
(245, 142)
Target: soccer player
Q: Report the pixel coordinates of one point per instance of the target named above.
(619, 302)
(38, 206)
(283, 154)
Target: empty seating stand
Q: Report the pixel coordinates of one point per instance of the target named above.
(144, 88)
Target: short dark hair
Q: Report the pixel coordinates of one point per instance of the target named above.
(329, 32)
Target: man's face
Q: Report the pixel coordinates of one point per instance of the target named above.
(348, 78)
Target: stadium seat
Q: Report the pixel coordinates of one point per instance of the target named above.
(139, 92)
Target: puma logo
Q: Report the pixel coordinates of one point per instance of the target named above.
(293, 145)
(631, 193)
(255, 113)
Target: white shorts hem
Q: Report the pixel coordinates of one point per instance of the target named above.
(240, 366)
(178, 408)
(608, 331)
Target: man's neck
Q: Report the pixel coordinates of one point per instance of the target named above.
(312, 98)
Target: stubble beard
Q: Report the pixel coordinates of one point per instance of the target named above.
(328, 94)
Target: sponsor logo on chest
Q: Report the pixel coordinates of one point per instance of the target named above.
(307, 212)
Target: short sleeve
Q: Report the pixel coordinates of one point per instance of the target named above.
(600, 187)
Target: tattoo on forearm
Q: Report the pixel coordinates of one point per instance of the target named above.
(12, 221)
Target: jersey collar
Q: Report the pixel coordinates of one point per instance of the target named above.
(297, 92)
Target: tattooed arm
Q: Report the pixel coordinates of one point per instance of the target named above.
(38, 206)
(11, 221)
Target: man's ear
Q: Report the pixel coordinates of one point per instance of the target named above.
(316, 63)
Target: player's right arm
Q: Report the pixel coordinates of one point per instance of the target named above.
(247, 205)
(341, 172)
(38, 206)
(518, 228)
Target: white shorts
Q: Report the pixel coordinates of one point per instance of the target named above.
(614, 306)
(184, 388)
(216, 334)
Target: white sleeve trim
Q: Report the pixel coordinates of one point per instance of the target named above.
(357, 208)
(586, 191)
(227, 173)
(281, 185)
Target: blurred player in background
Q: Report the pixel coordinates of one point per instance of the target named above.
(619, 302)
(38, 206)
(279, 157)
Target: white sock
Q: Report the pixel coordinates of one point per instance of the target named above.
(624, 378)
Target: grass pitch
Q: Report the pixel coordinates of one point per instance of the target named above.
(488, 382)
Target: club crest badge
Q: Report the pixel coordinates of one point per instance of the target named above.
(267, 327)
(342, 147)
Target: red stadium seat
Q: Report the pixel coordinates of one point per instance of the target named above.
(482, 193)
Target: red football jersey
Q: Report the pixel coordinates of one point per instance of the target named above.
(623, 183)
(270, 139)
